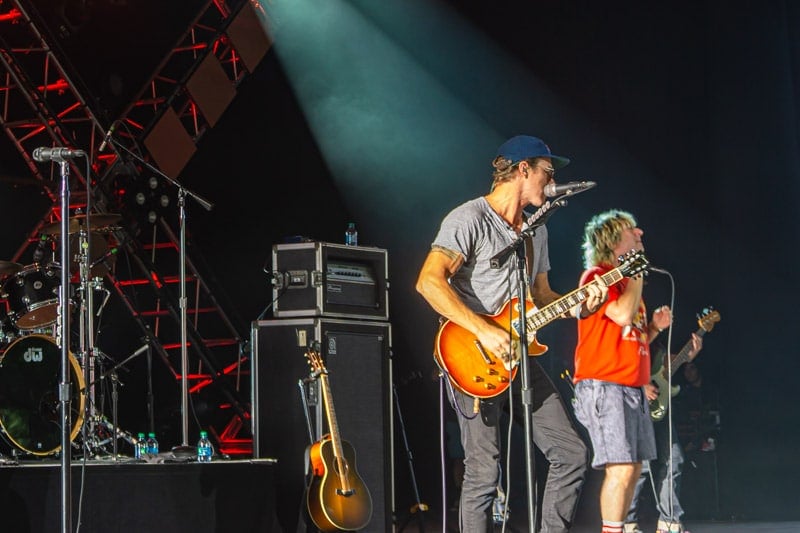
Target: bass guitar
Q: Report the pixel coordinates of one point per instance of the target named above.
(658, 407)
(478, 372)
(337, 498)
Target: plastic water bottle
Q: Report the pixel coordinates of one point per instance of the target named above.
(351, 234)
(152, 444)
(140, 452)
(204, 449)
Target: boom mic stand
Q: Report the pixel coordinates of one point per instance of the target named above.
(182, 194)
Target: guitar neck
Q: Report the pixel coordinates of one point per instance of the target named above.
(683, 356)
(333, 426)
(539, 318)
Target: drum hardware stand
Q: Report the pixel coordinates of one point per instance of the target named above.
(182, 193)
(100, 421)
(87, 349)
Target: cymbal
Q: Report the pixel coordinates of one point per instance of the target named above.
(9, 268)
(77, 223)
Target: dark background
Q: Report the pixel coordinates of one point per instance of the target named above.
(388, 114)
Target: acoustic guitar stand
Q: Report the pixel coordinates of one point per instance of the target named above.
(418, 509)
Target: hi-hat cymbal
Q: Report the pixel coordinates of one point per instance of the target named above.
(9, 268)
(98, 221)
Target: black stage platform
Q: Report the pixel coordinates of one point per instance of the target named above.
(126, 496)
(225, 496)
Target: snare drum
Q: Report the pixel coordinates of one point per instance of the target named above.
(30, 372)
(32, 295)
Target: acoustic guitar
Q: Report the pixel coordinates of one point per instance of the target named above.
(658, 407)
(337, 498)
(478, 372)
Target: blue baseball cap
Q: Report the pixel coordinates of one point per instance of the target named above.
(525, 147)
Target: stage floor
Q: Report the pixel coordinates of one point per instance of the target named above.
(435, 526)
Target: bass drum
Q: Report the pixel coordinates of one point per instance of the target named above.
(30, 372)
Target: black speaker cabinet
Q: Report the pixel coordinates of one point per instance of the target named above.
(288, 413)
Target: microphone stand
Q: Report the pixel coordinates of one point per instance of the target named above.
(518, 248)
(182, 194)
(63, 324)
(527, 390)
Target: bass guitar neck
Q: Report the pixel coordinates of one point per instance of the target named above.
(663, 376)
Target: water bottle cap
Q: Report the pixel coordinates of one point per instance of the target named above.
(151, 434)
(141, 435)
(203, 434)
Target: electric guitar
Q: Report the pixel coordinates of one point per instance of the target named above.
(658, 407)
(337, 498)
(476, 371)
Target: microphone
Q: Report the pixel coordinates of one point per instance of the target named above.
(139, 350)
(107, 138)
(573, 187)
(103, 257)
(59, 154)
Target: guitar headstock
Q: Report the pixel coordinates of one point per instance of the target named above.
(707, 318)
(633, 263)
(315, 362)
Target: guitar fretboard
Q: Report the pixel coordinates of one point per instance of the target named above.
(540, 318)
(682, 356)
(333, 428)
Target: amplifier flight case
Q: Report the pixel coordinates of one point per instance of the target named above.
(332, 280)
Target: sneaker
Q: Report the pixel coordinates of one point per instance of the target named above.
(632, 527)
(670, 527)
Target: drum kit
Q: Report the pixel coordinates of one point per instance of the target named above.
(30, 341)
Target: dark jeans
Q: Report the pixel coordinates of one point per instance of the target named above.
(553, 434)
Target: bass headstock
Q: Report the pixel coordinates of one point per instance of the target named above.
(707, 318)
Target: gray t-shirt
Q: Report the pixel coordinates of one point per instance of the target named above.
(478, 233)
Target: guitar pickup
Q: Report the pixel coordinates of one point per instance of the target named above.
(486, 359)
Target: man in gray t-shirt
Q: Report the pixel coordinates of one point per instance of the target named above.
(478, 233)
(459, 283)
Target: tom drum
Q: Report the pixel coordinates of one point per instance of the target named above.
(32, 295)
